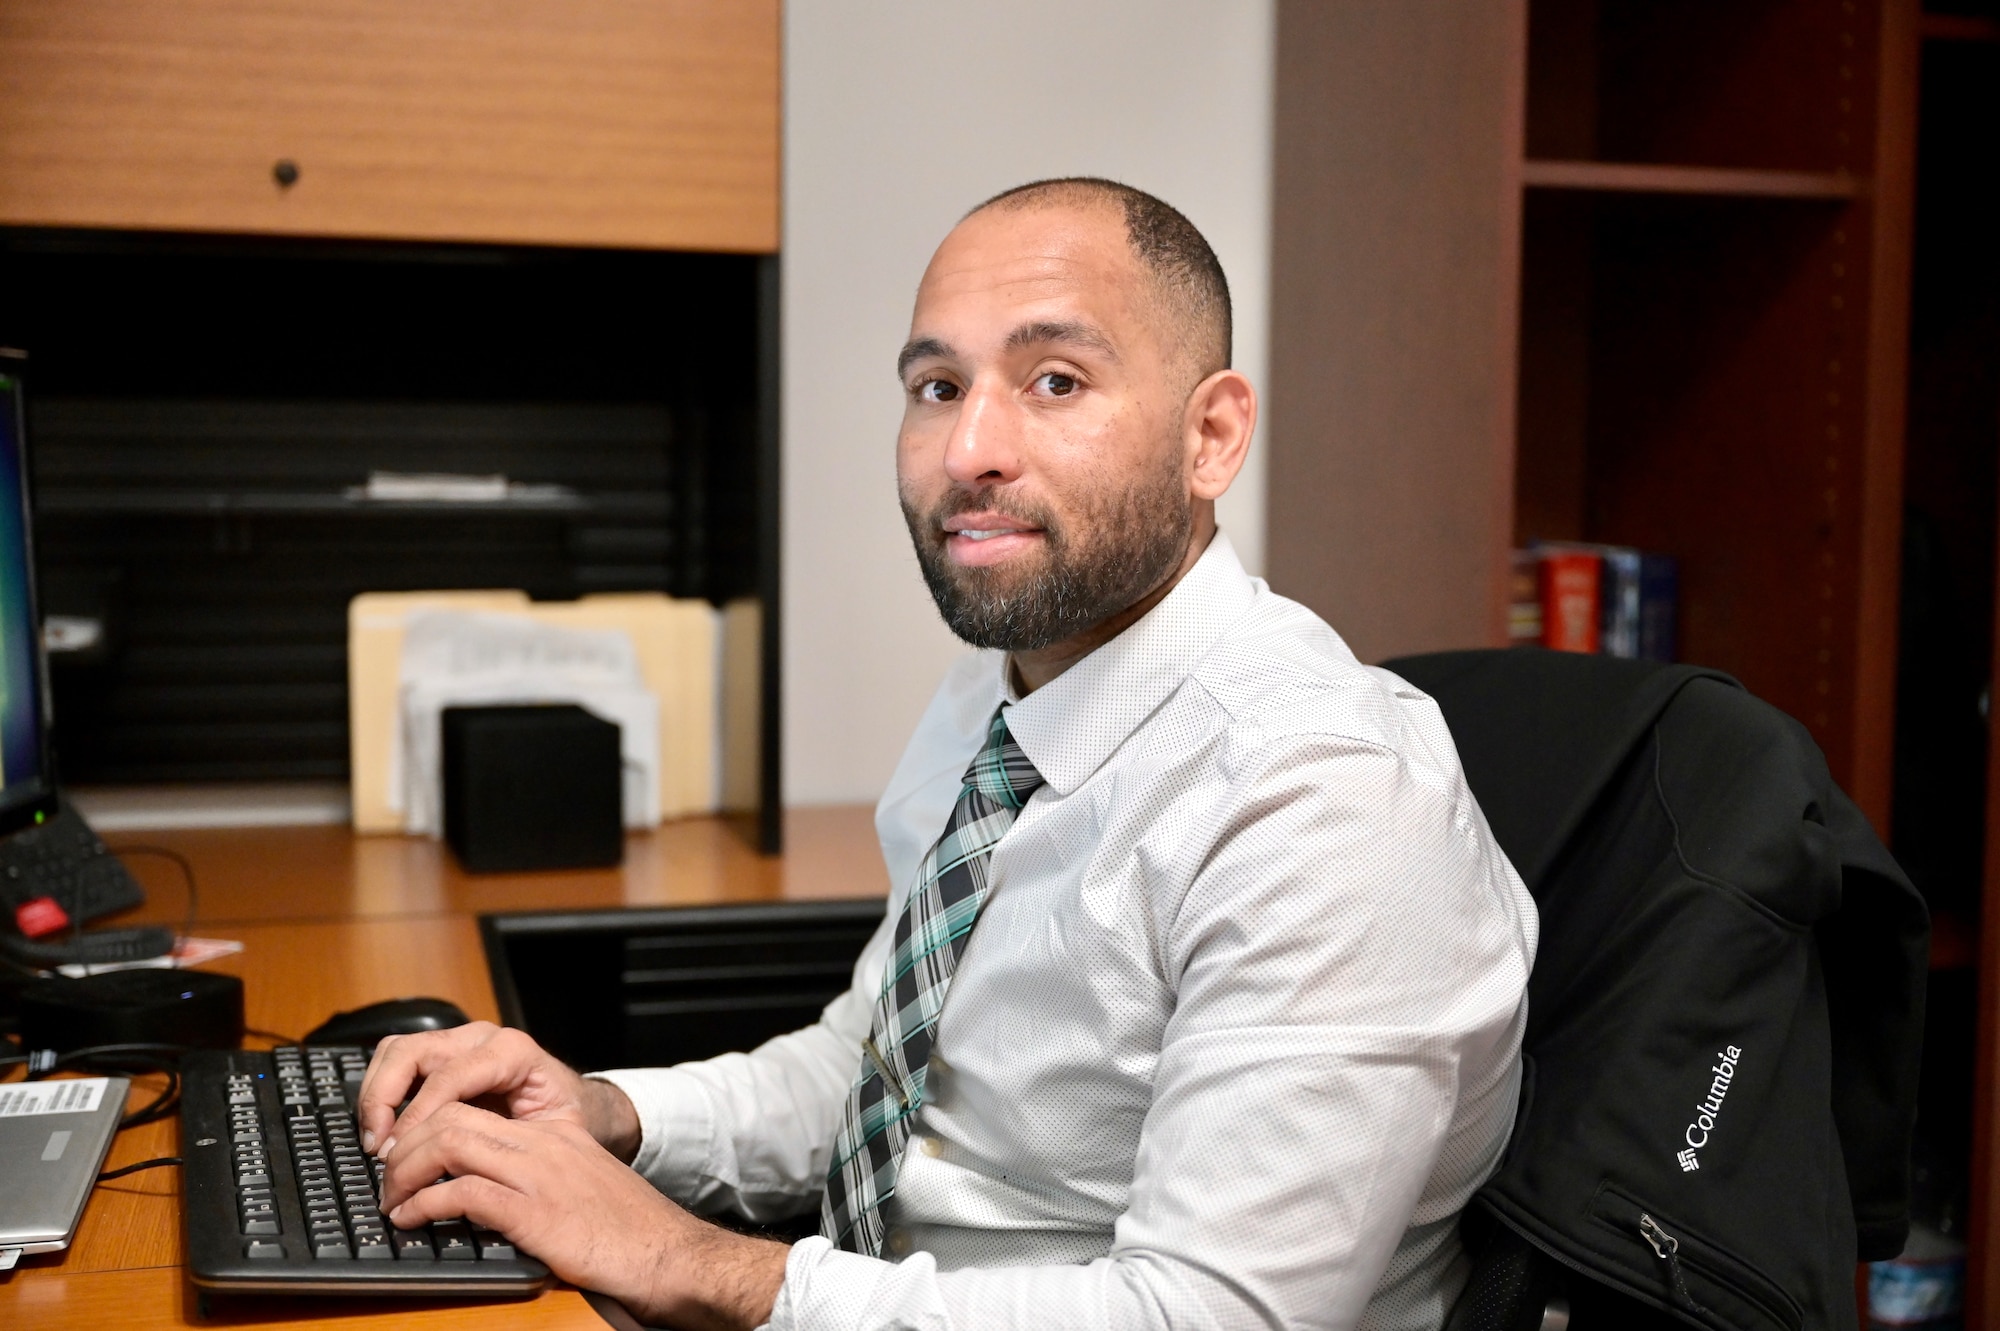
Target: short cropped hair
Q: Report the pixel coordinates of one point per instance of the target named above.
(1187, 276)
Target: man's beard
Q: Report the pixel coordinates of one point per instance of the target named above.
(1134, 539)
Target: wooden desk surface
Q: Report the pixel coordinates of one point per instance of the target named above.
(331, 921)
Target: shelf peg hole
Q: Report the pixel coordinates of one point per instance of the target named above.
(286, 173)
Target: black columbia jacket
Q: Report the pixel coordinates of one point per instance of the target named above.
(1727, 1003)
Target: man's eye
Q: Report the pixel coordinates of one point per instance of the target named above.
(937, 390)
(1056, 384)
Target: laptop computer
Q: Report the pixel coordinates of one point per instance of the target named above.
(54, 1136)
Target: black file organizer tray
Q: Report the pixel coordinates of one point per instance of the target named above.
(650, 988)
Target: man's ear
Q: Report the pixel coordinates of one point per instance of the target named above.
(1221, 416)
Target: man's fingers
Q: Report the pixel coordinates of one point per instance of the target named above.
(495, 1064)
(482, 1201)
(399, 1061)
(459, 1140)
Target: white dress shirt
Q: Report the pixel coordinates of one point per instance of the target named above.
(1236, 1035)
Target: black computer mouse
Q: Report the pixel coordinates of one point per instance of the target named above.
(366, 1026)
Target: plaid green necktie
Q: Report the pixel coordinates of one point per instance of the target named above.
(930, 937)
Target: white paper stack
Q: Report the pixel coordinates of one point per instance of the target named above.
(460, 658)
(699, 664)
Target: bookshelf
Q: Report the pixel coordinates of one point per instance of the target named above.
(1715, 246)
(1713, 182)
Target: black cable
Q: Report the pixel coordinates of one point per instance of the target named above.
(90, 1053)
(45, 1061)
(161, 1105)
(187, 877)
(161, 1162)
(134, 1056)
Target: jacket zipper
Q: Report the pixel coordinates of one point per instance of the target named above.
(1668, 1249)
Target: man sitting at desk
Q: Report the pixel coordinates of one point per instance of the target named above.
(1205, 1008)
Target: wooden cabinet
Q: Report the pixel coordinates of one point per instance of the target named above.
(1606, 270)
(613, 123)
(1714, 331)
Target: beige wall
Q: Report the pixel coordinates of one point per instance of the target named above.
(898, 117)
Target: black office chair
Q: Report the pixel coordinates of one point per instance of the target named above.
(1724, 1015)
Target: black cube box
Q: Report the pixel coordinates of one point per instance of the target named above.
(532, 787)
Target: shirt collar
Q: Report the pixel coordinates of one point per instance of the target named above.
(1071, 725)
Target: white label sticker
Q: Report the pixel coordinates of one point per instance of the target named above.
(73, 1095)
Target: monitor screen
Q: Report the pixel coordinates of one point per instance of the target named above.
(27, 785)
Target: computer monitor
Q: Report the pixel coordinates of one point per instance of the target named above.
(27, 775)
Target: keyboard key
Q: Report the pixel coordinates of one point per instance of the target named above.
(493, 1247)
(412, 1245)
(331, 1247)
(263, 1250)
(266, 1224)
(373, 1247)
(454, 1242)
(253, 1178)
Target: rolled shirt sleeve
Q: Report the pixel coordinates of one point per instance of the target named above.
(751, 1133)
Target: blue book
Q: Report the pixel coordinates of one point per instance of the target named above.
(1619, 601)
(1659, 607)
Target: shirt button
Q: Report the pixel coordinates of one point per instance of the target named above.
(930, 1146)
(899, 1243)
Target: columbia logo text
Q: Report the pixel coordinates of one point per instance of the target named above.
(1703, 1127)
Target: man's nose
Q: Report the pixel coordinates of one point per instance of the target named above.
(984, 448)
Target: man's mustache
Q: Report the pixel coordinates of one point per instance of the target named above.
(1037, 515)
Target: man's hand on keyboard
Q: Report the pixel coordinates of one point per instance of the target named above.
(493, 1066)
(556, 1193)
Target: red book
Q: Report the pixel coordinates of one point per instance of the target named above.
(1570, 581)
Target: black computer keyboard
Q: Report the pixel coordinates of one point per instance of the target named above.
(279, 1195)
(63, 859)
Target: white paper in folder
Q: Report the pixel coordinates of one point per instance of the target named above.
(458, 658)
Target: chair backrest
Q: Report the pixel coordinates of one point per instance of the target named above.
(1720, 1061)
